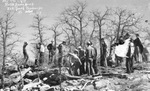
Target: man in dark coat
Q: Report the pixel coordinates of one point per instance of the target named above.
(138, 49)
(41, 50)
(129, 60)
(51, 48)
(82, 59)
(26, 56)
(103, 52)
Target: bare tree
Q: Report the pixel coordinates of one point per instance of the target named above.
(94, 25)
(110, 35)
(57, 33)
(76, 22)
(100, 19)
(6, 37)
(68, 38)
(39, 28)
(124, 19)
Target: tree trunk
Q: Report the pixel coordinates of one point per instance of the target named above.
(81, 33)
(55, 38)
(118, 31)
(4, 57)
(100, 44)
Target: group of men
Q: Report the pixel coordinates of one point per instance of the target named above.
(40, 51)
(133, 51)
(84, 61)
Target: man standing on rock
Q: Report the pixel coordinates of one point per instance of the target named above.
(89, 59)
(75, 62)
(81, 56)
(138, 49)
(41, 53)
(51, 48)
(26, 56)
(94, 58)
(103, 53)
(62, 53)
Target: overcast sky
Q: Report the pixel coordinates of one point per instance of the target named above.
(52, 9)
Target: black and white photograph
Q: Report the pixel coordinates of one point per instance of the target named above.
(74, 45)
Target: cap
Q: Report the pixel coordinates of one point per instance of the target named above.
(137, 34)
(64, 42)
(25, 43)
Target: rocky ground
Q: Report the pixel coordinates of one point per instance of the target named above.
(109, 79)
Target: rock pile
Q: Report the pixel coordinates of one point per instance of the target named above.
(45, 79)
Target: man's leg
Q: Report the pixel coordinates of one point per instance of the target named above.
(131, 65)
(49, 56)
(104, 56)
(127, 69)
(26, 59)
(88, 67)
(95, 66)
(76, 67)
(140, 57)
(91, 66)
(42, 58)
(128, 64)
(102, 60)
(81, 67)
(60, 61)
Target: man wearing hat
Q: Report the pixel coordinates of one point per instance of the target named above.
(51, 48)
(94, 58)
(103, 52)
(138, 49)
(89, 59)
(62, 53)
(82, 58)
(41, 53)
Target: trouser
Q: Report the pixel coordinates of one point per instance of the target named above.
(62, 61)
(50, 56)
(76, 68)
(144, 57)
(95, 66)
(26, 57)
(119, 60)
(129, 65)
(82, 68)
(41, 60)
(89, 65)
(138, 55)
(103, 61)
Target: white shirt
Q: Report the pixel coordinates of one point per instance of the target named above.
(42, 49)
